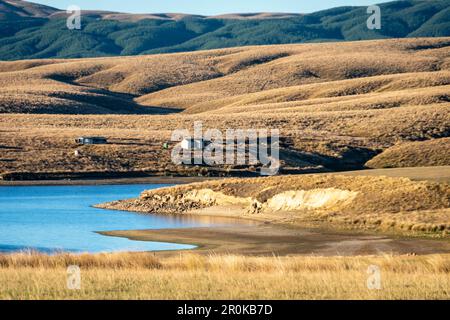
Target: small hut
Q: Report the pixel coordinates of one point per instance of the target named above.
(91, 140)
(194, 144)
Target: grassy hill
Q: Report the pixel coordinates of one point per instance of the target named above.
(283, 79)
(414, 154)
(31, 31)
(337, 105)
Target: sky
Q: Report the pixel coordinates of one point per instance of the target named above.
(206, 7)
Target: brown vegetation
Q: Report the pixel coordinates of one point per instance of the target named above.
(142, 276)
(337, 104)
(190, 81)
(414, 154)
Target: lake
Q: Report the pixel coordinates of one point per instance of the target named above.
(60, 218)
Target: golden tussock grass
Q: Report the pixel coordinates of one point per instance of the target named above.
(339, 104)
(187, 276)
(189, 80)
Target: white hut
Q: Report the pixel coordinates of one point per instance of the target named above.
(193, 144)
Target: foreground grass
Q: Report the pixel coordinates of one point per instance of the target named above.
(145, 276)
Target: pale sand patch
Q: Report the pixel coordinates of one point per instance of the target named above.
(310, 199)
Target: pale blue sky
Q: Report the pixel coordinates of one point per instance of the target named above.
(207, 7)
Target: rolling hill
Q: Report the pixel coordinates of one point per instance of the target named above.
(351, 76)
(32, 31)
(337, 105)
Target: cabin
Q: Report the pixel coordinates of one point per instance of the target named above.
(91, 140)
(194, 144)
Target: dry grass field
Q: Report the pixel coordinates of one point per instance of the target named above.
(337, 105)
(187, 276)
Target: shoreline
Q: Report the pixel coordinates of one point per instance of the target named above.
(95, 182)
(409, 222)
(268, 235)
(270, 240)
(434, 174)
(272, 233)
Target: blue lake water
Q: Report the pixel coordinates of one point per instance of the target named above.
(60, 218)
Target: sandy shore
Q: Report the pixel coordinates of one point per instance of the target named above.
(270, 234)
(294, 232)
(279, 240)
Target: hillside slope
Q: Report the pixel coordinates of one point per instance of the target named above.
(16, 9)
(285, 78)
(337, 105)
(31, 31)
(414, 154)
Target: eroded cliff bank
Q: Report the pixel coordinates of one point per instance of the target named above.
(359, 202)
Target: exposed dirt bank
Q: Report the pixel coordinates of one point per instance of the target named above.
(286, 206)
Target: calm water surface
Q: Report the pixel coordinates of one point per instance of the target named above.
(60, 218)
